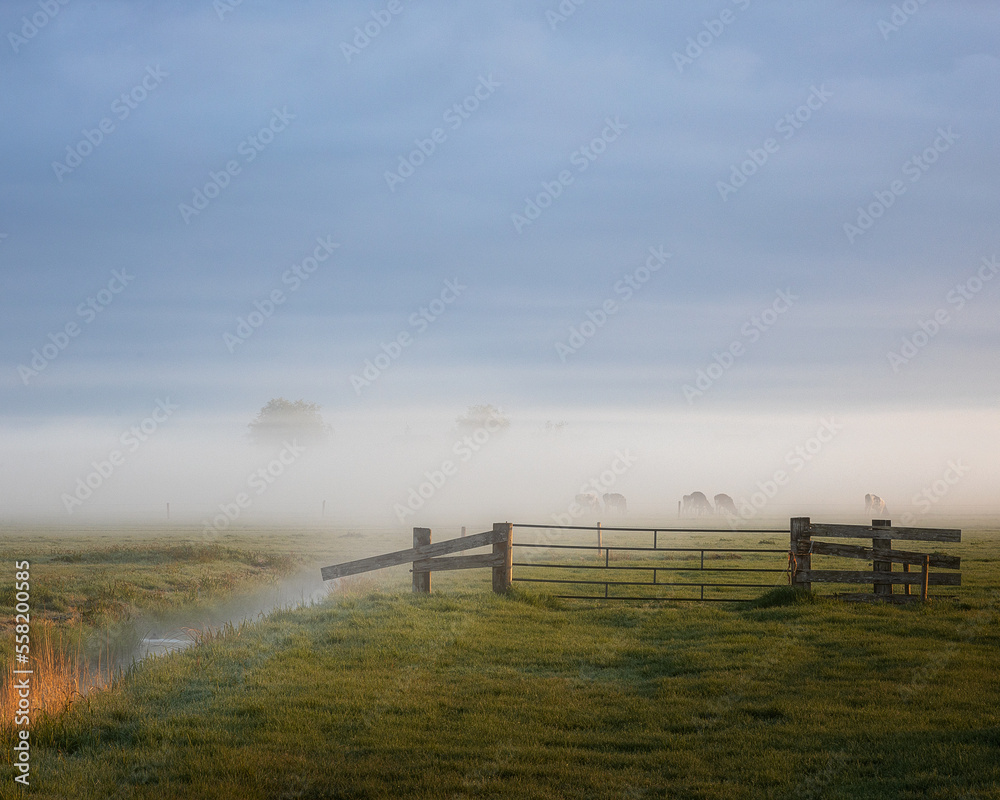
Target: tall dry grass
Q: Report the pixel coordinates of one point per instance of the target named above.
(61, 672)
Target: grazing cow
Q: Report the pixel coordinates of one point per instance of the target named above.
(589, 502)
(724, 505)
(695, 505)
(875, 506)
(614, 503)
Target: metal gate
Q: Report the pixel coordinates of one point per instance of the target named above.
(599, 563)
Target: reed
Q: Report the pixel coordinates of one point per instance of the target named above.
(63, 669)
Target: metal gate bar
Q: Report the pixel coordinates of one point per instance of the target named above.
(650, 583)
(650, 530)
(653, 549)
(665, 569)
(697, 556)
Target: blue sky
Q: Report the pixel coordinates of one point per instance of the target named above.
(857, 139)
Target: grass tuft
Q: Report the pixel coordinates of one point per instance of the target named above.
(782, 596)
(534, 599)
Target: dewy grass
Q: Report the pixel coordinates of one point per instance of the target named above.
(466, 694)
(473, 695)
(105, 582)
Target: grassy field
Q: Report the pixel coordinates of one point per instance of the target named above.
(105, 577)
(376, 692)
(94, 597)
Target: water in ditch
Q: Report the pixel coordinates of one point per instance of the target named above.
(158, 637)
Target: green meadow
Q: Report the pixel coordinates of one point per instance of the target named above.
(375, 692)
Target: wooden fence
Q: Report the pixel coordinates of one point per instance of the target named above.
(426, 557)
(803, 546)
(652, 567)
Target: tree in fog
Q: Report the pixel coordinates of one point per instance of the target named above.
(280, 421)
(477, 417)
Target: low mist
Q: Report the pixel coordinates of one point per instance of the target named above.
(417, 468)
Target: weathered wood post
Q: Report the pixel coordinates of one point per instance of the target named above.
(600, 539)
(421, 580)
(881, 547)
(503, 575)
(799, 542)
(925, 578)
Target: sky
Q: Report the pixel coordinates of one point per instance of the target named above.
(680, 238)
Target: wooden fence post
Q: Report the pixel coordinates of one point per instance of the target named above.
(421, 580)
(600, 539)
(503, 576)
(799, 542)
(925, 578)
(879, 547)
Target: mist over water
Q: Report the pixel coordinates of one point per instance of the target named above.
(182, 630)
(405, 469)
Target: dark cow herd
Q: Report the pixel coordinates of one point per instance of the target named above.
(613, 504)
(696, 504)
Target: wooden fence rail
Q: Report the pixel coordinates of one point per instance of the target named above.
(802, 547)
(426, 558)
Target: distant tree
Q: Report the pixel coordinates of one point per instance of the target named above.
(281, 420)
(477, 417)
